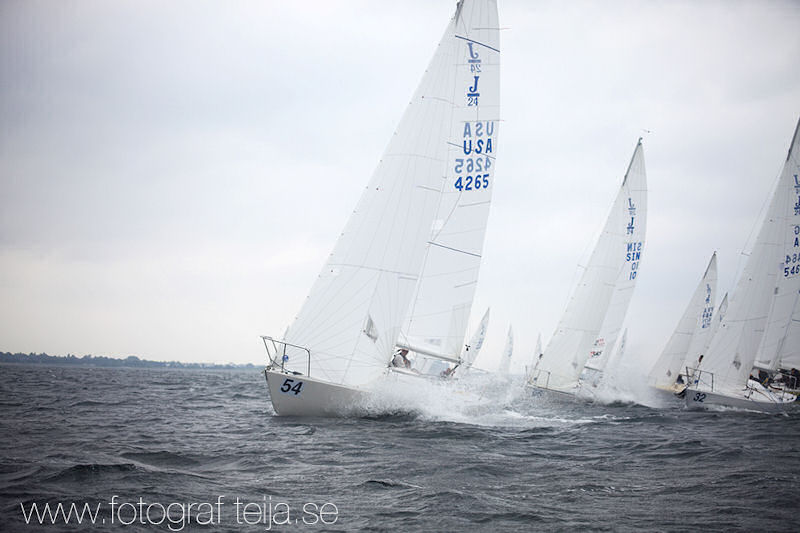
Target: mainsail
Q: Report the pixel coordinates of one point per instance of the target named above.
(615, 259)
(440, 310)
(690, 338)
(441, 155)
(760, 323)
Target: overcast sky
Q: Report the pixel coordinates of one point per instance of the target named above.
(174, 174)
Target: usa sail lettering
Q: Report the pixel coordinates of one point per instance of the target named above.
(633, 256)
(478, 148)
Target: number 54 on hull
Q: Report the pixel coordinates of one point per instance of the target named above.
(299, 395)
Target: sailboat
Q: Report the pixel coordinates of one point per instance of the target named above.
(691, 337)
(337, 351)
(600, 300)
(762, 323)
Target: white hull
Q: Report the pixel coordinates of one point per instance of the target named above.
(297, 395)
(750, 399)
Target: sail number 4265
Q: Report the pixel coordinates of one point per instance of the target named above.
(469, 183)
(288, 386)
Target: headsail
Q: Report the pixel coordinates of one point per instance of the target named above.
(615, 257)
(353, 314)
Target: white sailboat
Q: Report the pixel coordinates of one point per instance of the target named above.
(760, 325)
(601, 298)
(508, 353)
(337, 351)
(691, 337)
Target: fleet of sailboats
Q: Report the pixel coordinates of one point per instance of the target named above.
(394, 299)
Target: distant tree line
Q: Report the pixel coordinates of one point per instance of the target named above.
(100, 360)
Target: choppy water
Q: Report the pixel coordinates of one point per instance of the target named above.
(82, 435)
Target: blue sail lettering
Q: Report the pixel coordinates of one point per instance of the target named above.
(467, 130)
(489, 145)
(473, 91)
(472, 53)
(489, 128)
(479, 146)
(467, 147)
(479, 129)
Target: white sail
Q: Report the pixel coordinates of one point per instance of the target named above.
(353, 314)
(508, 353)
(615, 257)
(780, 345)
(759, 301)
(531, 369)
(471, 351)
(605, 342)
(690, 338)
(719, 315)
